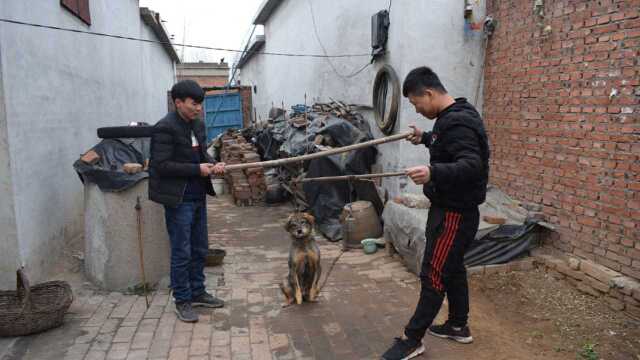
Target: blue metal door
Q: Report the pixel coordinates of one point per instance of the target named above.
(222, 112)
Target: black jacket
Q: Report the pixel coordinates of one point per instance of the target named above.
(171, 164)
(459, 161)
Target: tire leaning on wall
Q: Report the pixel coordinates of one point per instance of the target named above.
(386, 79)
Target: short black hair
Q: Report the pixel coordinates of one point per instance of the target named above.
(187, 89)
(420, 79)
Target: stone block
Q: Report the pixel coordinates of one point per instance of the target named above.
(631, 301)
(615, 304)
(495, 269)
(574, 263)
(625, 284)
(599, 272)
(600, 286)
(475, 270)
(633, 311)
(585, 288)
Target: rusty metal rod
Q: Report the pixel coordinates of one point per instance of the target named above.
(297, 159)
(352, 177)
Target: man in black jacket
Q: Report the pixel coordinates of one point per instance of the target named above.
(455, 182)
(179, 173)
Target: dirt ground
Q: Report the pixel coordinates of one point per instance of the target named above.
(555, 320)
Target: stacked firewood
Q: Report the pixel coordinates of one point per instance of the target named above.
(336, 108)
(248, 187)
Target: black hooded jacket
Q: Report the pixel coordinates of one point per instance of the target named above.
(172, 164)
(459, 158)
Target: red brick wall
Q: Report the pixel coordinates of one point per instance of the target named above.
(558, 138)
(206, 81)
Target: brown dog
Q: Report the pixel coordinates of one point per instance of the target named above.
(304, 261)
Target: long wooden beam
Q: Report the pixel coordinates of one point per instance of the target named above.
(297, 159)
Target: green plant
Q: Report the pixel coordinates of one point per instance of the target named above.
(588, 351)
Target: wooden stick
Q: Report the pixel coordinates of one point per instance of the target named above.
(279, 162)
(141, 250)
(352, 177)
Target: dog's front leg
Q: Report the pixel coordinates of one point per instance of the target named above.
(315, 290)
(298, 289)
(288, 294)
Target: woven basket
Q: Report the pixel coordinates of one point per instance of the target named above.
(33, 309)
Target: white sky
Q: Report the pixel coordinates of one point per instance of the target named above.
(214, 23)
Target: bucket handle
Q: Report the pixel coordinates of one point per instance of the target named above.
(23, 289)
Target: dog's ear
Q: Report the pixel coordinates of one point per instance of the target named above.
(309, 218)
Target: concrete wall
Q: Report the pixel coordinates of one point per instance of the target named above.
(9, 259)
(58, 88)
(111, 238)
(422, 33)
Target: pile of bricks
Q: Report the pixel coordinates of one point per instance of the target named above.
(620, 292)
(248, 187)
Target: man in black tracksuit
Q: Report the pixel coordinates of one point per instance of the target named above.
(179, 173)
(455, 182)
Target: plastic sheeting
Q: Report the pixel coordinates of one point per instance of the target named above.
(327, 199)
(287, 138)
(493, 244)
(107, 173)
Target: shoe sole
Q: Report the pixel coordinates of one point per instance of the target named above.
(184, 319)
(417, 352)
(458, 339)
(195, 304)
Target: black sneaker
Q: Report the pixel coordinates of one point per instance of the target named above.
(448, 331)
(403, 349)
(185, 312)
(207, 300)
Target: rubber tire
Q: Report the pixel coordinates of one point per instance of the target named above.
(387, 123)
(112, 132)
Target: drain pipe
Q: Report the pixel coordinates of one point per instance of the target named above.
(488, 28)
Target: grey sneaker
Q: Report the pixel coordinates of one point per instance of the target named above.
(207, 300)
(185, 312)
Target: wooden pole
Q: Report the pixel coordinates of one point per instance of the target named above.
(297, 159)
(141, 250)
(352, 177)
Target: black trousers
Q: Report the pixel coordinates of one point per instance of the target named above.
(449, 234)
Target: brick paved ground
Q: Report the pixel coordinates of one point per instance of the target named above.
(366, 302)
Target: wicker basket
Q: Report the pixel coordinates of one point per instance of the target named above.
(33, 309)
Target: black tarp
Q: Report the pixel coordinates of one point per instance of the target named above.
(108, 172)
(327, 199)
(494, 244)
(506, 243)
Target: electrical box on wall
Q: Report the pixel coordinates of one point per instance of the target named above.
(379, 32)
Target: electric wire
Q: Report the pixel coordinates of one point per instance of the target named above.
(93, 33)
(324, 50)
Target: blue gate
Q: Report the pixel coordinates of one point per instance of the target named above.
(222, 112)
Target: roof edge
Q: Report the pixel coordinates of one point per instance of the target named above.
(257, 44)
(152, 19)
(267, 8)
